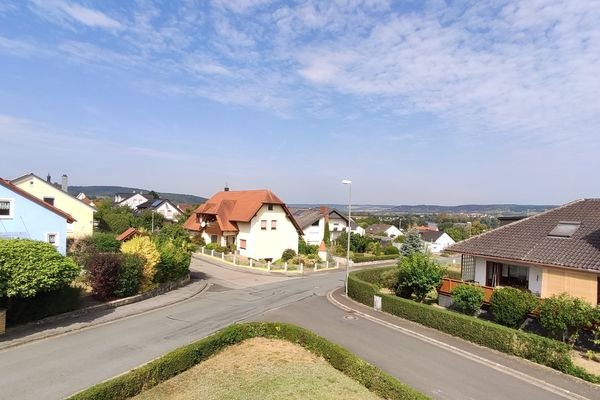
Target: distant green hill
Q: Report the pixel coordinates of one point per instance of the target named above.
(109, 191)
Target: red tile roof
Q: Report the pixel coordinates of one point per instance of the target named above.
(128, 234)
(31, 197)
(230, 207)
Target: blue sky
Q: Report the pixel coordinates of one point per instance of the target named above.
(444, 102)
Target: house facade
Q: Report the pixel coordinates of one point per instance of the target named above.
(256, 222)
(57, 196)
(549, 253)
(387, 230)
(131, 200)
(312, 221)
(356, 228)
(436, 241)
(163, 207)
(24, 216)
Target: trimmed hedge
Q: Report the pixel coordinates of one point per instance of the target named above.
(541, 350)
(21, 310)
(184, 358)
(361, 259)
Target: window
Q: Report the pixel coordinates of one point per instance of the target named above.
(6, 208)
(316, 223)
(564, 229)
(52, 238)
(270, 207)
(213, 238)
(467, 267)
(263, 225)
(243, 244)
(335, 227)
(49, 200)
(274, 225)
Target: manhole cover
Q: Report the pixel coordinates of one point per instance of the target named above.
(350, 317)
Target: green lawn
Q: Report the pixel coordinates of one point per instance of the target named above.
(261, 369)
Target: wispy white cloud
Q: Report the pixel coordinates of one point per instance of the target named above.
(65, 11)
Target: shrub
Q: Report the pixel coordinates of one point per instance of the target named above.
(174, 261)
(103, 274)
(467, 298)
(174, 232)
(327, 234)
(563, 316)
(130, 275)
(216, 247)
(105, 242)
(418, 275)
(29, 267)
(44, 304)
(360, 258)
(306, 249)
(389, 279)
(391, 250)
(81, 250)
(535, 348)
(151, 374)
(144, 247)
(510, 306)
(288, 254)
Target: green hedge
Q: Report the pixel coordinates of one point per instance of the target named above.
(171, 364)
(362, 259)
(542, 350)
(26, 309)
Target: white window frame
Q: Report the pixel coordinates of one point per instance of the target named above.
(56, 240)
(11, 209)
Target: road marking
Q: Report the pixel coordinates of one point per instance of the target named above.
(567, 394)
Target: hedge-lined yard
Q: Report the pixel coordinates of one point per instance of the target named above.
(363, 285)
(182, 359)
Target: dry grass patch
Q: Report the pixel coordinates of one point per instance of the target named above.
(264, 369)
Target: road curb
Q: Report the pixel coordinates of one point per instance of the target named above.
(567, 394)
(203, 287)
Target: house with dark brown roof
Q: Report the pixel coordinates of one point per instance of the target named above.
(256, 222)
(313, 220)
(549, 253)
(436, 241)
(383, 230)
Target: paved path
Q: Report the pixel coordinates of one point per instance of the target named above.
(59, 366)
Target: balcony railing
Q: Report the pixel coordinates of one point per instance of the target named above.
(448, 286)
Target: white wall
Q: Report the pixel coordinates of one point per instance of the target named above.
(480, 265)
(134, 201)
(535, 280)
(392, 231)
(314, 234)
(271, 243)
(168, 211)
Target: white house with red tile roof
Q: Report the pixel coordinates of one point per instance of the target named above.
(257, 222)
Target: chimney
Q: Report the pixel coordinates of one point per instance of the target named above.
(49, 178)
(226, 188)
(325, 212)
(65, 183)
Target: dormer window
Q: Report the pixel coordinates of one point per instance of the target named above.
(270, 207)
(565, 229)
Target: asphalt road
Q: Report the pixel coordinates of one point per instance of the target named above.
(59, 366)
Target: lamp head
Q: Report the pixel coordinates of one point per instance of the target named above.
(346, 182)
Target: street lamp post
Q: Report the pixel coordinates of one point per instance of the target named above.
(349, 183)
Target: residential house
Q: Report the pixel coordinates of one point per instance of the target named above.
(549, 253)
(24, 216)
(58, 196)
(257, 222)
(163, 207)
(131, 200)
(313, 221)
(436, 241)
(383, 230)
(83, 197)
(356, 228)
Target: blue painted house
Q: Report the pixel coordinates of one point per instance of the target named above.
(24, 216)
